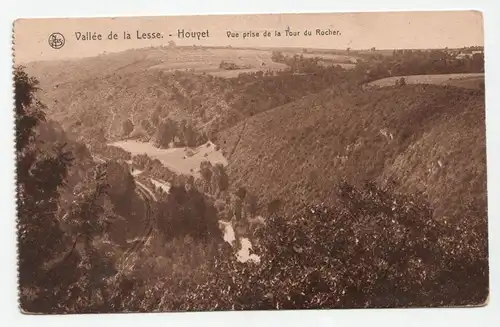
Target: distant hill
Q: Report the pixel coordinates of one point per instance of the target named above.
(94, 97)
(427, 138)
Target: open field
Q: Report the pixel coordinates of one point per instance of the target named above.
(471, 80)
(168, 59)
(208, 60)
(181, 160)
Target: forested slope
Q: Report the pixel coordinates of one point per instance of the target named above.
(427, 138)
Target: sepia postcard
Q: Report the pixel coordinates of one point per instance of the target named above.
(251, 162)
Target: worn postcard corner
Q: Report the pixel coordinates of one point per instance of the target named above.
(251, 162)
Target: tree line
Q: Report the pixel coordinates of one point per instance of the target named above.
(419, 62)
(165, 133)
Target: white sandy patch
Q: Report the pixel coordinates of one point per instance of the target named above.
(243, 254)
(136, 172)
(229, 235)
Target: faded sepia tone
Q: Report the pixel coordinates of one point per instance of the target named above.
(395, 30)
(290, 161)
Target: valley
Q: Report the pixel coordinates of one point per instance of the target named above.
(207, 178)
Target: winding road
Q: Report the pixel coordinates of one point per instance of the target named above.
(139, 242)
(148, 198)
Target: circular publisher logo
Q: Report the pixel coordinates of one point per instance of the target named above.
(56, 40)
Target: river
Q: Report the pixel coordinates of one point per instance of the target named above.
(187, 161)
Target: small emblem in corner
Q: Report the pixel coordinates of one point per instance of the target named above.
(56, 40)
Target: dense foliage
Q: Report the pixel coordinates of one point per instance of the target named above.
(56, 262)
(39, 176)
(178, 133)
(376, 248)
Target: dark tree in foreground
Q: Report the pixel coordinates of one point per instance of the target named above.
(39, 177)
(58, 263)
(89, 219)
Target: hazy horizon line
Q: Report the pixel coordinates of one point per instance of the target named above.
(237, 48)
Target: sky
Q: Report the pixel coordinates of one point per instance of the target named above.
(382, 30)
